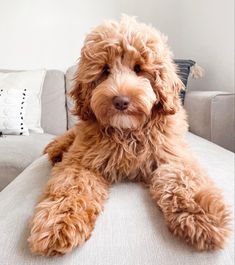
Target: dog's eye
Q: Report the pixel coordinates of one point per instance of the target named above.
(106, 70)
(137, 69)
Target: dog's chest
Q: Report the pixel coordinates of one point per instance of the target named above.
(123, 160)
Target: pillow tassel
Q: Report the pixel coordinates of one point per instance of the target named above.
(197, 71)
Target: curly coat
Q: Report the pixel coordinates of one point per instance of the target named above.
(145, 142)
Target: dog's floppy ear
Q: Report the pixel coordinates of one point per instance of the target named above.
(81, 94)
(168, 86)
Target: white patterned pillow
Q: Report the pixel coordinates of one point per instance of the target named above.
(12, 111)
(32, 81)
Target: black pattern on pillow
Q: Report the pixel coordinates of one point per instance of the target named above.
(12, 111)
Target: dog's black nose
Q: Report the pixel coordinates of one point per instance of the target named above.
(121, 102)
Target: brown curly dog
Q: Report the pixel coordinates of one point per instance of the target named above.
(132, 127)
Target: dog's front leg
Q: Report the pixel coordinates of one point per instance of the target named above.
(67, 211)
(60, 145)
(193, 208)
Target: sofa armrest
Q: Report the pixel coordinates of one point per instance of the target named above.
(211, 116)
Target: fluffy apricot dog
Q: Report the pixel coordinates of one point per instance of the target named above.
(132, 127)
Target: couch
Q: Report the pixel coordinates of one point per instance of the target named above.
(131, 230)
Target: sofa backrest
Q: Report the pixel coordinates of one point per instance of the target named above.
(54, 110)
(68, 85)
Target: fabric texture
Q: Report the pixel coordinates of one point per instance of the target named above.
(72, 120)
(131, 229)
(54, 111)
(211, 116)
(18, 152)
(12, 111)
(223, 121)
(33, 82)
(183, 71)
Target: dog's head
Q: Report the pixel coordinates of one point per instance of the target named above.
(125, 76)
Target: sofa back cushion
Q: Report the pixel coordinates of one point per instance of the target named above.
(54, 114)
(69, 83)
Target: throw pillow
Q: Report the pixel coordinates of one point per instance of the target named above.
(185, 69)
(32, 81)
(12, 111)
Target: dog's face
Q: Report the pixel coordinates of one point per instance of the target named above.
(125, 76)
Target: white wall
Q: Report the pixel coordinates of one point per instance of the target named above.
(49, 33)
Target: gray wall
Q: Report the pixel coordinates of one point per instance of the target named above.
(49, 33)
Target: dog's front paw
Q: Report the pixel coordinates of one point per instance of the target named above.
(203, 222)
(58, 232)
(54, 151)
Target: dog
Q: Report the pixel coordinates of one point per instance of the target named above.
(132, 127)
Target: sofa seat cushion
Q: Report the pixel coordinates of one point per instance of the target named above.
(131, 229)
(17, 152)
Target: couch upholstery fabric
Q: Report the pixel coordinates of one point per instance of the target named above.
(223, 121)
(211, 116)
(69, 84)
(17, 152)
(130, 231)
(54, 112)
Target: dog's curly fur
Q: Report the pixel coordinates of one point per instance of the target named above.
(145, 142)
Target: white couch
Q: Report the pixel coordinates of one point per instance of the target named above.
(131, 230)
